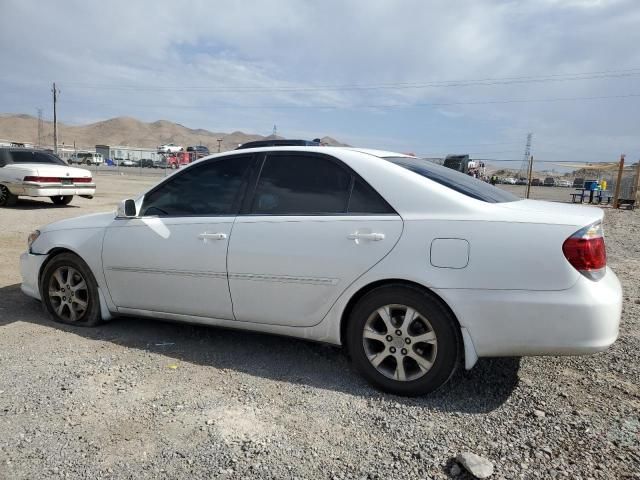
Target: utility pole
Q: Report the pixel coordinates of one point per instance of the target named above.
(616, 195)
(55, 118)
(39, 128)
(527, 154)
(529, 173)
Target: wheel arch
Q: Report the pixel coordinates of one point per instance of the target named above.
(52, 253)
(467, 351)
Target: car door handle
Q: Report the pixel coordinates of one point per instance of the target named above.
(374, 237)
(212, 236)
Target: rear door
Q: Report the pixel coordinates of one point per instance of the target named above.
(309, 229)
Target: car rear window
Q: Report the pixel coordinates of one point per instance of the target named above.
(28, 156)
(461, 183)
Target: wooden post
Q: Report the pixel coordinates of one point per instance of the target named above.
(636, 188)
(529, 173)
(616, 195)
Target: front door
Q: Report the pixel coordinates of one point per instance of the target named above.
(311, 228)
(172, 258)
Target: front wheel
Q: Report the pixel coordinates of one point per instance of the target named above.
(62, 199)
(7, 199)
(403, 341)
(69, 291)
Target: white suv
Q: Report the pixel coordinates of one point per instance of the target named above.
(86, 158)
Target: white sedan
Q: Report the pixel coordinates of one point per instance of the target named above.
(413, 267)
(169, 148)
(33, 173)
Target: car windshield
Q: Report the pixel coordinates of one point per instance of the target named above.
(461, 183)
(27, 156)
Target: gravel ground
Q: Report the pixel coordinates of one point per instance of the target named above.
(139, 399)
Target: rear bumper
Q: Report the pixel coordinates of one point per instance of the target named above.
(30, 270)
(43, 190)
(580, 320)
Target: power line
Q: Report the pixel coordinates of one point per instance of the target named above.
(370, 106)
(381, 86)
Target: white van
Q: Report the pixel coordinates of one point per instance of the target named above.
(86, 158)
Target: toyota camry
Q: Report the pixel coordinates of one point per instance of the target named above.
(414, 268)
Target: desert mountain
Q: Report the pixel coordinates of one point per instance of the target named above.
(123, 131)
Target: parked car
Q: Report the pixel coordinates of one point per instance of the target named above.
(563, 183)
(86, 158)
(578, 182)
(169, 148)
(536, 182)
(200, 151)
(509, 181)
(549, 182)
(521, 181)
(33, 173)
(282, 142)
(411, 266)
(126, 163)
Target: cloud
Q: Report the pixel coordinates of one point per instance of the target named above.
(247, 65)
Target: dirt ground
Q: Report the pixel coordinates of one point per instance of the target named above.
(143, 399)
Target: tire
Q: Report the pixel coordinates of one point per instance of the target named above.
(428, 349)
(7, 199)
(64, 274)
(62, 199)
(88, 163)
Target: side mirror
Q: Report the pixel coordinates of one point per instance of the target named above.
(127, 209)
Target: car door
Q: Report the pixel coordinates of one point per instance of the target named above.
(172, 258)
(309, 229)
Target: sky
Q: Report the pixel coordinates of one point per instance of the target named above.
(429, 77)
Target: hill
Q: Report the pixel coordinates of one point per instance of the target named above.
(123, 131)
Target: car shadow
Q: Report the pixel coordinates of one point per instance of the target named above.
(29, 204)
(483, 389)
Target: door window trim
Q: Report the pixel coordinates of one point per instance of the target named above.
(237, 202)
(245, 210)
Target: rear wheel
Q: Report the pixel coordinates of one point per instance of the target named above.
(7, 199)
(62, 199)
(403, 341)
(70, 292)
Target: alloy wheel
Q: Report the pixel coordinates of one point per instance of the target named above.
(399, 342)
(68, 294)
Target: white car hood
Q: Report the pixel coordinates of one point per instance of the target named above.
(94, 220)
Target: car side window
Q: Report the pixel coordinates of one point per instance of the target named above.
(296, 184)
(214, 188)
(365, 200)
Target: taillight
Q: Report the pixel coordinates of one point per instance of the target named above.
(586, 251)
(57, 179)
(42, 179)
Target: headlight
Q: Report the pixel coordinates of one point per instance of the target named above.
(32, 238)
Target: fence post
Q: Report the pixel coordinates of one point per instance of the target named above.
(529, 173)
(636, 188)
(616, 195)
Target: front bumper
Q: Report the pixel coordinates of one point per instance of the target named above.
(30, 265)
(580, 320)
